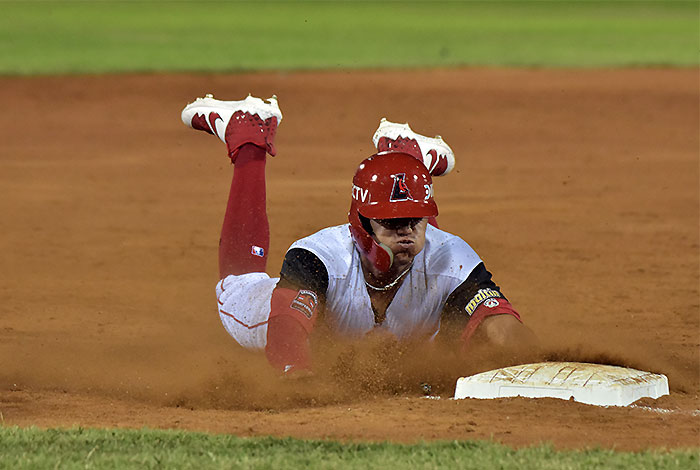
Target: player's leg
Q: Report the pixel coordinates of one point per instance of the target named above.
(243, 303)
(248, 128)
(245, 233)
(434, 152)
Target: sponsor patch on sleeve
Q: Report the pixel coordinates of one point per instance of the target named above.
(481, 296)
(305, 302)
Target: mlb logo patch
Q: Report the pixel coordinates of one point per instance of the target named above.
(257, 251)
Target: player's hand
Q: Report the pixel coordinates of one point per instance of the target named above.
(294, 373)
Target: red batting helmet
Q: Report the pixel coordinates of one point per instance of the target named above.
(388, 185)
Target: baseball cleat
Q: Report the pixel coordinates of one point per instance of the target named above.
(434, 152)
(236, 123)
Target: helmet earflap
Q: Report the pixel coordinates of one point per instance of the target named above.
(388, 185)
(376, 252)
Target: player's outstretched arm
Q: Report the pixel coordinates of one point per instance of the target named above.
(505, 332)
(477, 315)
(288, 331)
(296, 304)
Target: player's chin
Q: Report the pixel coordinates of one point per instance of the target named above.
(404, 256)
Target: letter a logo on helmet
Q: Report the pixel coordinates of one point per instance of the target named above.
(400, 191)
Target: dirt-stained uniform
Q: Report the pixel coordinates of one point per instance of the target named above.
(442, 290)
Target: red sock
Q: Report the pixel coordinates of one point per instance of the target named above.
(245, 235)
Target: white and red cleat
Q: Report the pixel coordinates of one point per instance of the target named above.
(249, 121)
(434, 152)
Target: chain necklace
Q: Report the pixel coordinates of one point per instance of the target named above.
(393, 283)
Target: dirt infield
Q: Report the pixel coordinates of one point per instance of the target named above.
(580, 190)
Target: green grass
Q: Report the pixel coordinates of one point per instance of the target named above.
(89, 448)
(95, 37)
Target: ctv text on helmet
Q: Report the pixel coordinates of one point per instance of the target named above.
(360, 194)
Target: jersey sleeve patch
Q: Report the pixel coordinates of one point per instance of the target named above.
(477, 290)
(305, 302)
(488, 297)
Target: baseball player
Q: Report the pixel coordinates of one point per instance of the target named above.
(390, 269)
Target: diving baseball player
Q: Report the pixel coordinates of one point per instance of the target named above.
(388, 269)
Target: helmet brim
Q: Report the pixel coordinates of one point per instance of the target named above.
(399, 210)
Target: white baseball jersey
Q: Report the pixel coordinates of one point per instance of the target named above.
(444, 263)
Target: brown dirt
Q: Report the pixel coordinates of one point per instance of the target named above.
(579, 189)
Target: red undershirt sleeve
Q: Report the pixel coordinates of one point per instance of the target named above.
(297, 302)
(477, 298)
(489, 307)
(292, 317)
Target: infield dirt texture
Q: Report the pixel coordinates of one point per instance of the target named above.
(578, 188)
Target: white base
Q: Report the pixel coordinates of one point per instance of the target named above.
(594, 384)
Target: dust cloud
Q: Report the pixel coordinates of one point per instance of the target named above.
(225, 376)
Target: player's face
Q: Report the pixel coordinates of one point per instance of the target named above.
(405, 237)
